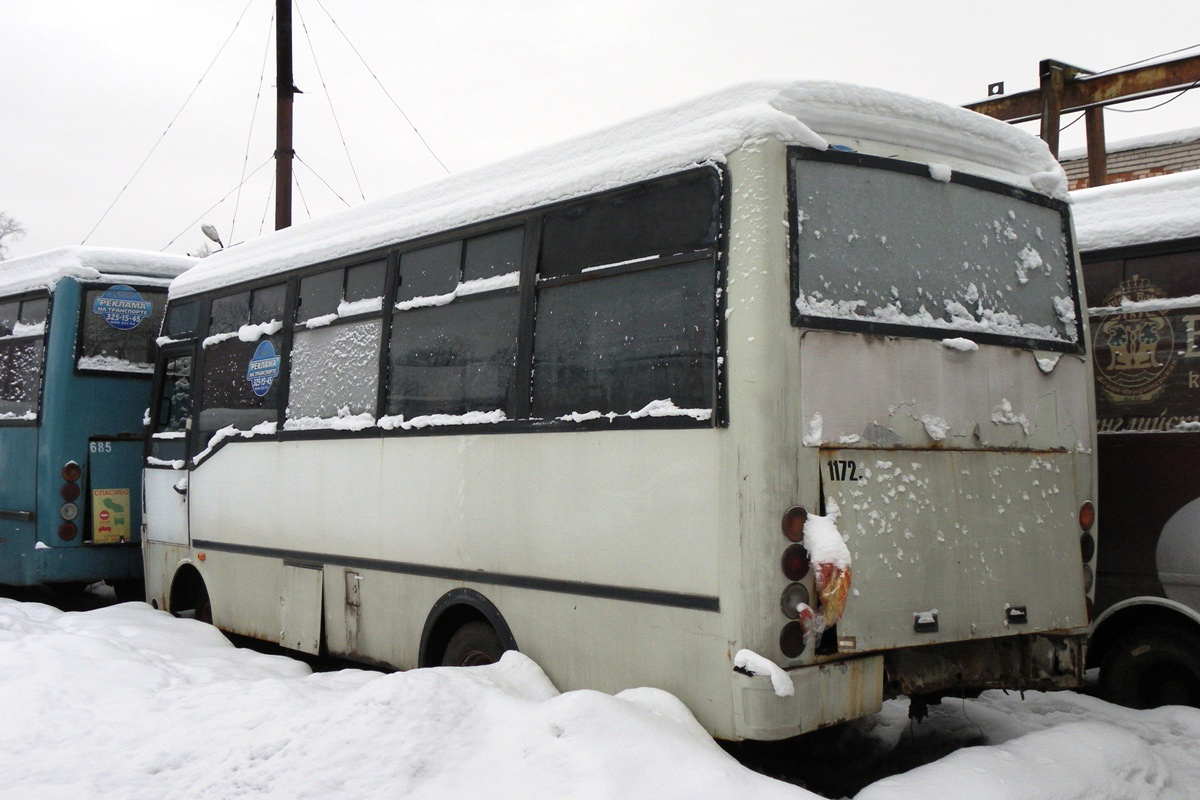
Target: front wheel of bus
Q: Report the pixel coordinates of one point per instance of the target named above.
(474, 644)
(1154, 667)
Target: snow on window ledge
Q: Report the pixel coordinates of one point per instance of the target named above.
(655, 408)
(437, 420)
(246, 333)
(175, 463)
(342, 422)
(478, 286)
(229, 432)
(113, 364)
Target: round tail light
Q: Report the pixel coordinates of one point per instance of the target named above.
(791, 599)
(67, 531)
(1087, 516)
(71, 471)
(69, 492)
(792, 639)
(793, 523)
(1087, 546)
(795, 562)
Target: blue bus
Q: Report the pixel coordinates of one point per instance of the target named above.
(78, 331)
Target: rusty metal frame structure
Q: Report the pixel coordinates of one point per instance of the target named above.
(1065, 88)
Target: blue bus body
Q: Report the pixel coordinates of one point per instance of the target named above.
(71, 442)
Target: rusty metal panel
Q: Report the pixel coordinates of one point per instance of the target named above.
(825, 695)
(1082, 92)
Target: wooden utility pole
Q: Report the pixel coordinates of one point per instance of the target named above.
(283, 114)
(1065, 88)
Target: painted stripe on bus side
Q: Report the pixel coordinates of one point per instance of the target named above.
(656, 597)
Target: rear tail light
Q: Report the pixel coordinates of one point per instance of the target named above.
(69, 491)
(1087, 546)
(1089, 578)
(792, 639)
(793, 523)
(1087, 516)
(792, 598)
(795, 562)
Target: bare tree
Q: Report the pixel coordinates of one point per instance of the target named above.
(9, 227)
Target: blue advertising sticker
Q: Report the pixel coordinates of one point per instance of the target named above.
(263, 369)
(122, 307)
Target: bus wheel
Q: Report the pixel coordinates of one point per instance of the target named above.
(474, 644)
(203, 605)
(1154, 667)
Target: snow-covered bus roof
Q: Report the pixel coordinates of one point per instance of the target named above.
(1161, 209)
(702, 131)
(44, 270)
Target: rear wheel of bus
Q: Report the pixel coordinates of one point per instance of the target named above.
(473, 645)
(1156, 666)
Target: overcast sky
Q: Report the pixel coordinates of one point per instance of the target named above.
(88, 88)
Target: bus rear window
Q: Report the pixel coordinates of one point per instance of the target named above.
(908, 251)
(118, 327)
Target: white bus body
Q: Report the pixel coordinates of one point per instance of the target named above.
(625, 534)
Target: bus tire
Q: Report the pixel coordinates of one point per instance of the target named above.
(474, 644)
(1156, 666)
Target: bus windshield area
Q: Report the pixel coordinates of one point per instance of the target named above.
(118, 328)
(899, 248)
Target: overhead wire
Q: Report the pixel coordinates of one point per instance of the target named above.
(300, 191)
(1150, 58)
(384, 88)
(169, 124)
(270, 194)
(329, 100)
(322, 180)
(250, 133)
(214, 205)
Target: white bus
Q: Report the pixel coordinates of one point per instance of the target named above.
(777, 400)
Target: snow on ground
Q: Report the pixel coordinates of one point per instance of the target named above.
(128, 702)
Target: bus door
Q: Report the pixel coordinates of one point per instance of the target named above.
(169, 448)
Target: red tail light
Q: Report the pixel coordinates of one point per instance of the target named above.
(1087, 516)
(795, 562)
(67, 531)
(69, 492)
(793, 523)
(71, 471)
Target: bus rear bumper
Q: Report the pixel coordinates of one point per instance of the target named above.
(88, 563)
(825, 694)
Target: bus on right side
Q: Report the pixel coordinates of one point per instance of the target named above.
(1139, 245)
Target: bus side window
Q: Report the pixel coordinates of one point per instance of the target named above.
(453, 346)
(335, 363)
(240, 385)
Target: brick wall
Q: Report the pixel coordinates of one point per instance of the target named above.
(1137, 162)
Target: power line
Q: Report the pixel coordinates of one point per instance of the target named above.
(1170, 99)
(329, 100)
(214, 205)
(1144, 60)
(384, 88)
(250, 133)
(169, 124)
(270, 192)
